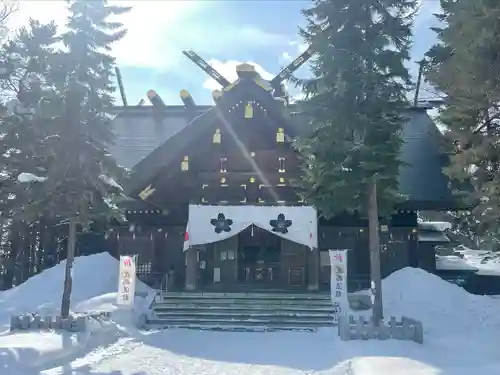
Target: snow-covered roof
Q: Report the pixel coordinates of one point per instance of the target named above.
(453, 263)
(438, 226)
(487, 262)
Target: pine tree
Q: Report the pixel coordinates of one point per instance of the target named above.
(356, 100)
(81, 175)
(25, 61)
(24, 65)
(465, 67)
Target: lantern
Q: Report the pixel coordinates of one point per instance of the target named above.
(280, 135)
(216, 139)
(185, 164)
(248, 110)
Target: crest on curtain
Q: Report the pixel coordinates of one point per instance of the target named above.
(221, 224)
(281, 224)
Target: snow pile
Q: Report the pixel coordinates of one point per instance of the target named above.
(93, 276)
(95, 285)
(444, 308)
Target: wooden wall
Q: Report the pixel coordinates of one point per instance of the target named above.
(395, 252)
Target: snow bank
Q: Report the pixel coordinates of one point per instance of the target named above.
(93, 276)
(95, 285)
(444, 308)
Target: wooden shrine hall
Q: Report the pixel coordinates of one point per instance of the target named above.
(211, 203)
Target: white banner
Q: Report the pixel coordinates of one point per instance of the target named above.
(126, 281)
(208, 224)
(338, 283)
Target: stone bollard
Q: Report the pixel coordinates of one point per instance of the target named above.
(15, 322)
(396, 329)
(408, 329)
(344, 328)
(384, 332)
(66, 323)
(26, 321)
(416, 333)
(80, 324)
(36, 323)
(57, 323)
(46, 322)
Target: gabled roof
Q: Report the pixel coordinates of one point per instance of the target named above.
(171, 144)
(138, 132)
(148, 145)
(422, 179)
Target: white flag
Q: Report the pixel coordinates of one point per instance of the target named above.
(126, 281)
(338, 283)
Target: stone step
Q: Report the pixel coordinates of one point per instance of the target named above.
(231, 327)
(254, 311)
(241, 316)
(290, 323)
(260, 296)
(241, 307)
(242, 301)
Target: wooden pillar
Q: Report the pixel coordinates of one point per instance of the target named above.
(191, 268)
(313, 269)
(413, 250)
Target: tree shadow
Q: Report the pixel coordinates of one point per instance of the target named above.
(309, 351)
(290, 349)
(13, 359)
(86, 370)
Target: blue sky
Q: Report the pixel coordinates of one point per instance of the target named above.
(225, 33)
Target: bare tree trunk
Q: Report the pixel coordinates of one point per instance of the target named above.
(68, 279)
(374, 244)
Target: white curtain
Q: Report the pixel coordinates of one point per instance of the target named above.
(208, 224)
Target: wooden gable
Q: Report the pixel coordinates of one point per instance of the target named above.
(244, 139)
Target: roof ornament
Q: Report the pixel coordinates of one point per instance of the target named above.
(286, 72)
(187, 99)
(207, 68)
(248, 71)
(216, 95)
(155, 99)
(120, 86)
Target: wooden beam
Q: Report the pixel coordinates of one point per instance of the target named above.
(155, 99)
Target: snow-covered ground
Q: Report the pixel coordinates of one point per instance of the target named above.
(461, 335)
(95, 280)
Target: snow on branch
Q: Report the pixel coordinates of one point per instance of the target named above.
(30, 177)
(110, 182)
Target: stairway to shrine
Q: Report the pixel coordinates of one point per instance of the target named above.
(242, 311)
